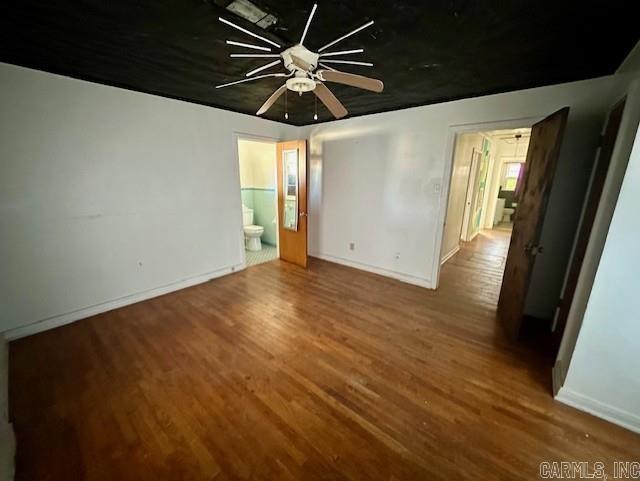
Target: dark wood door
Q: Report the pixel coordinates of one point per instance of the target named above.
(540, 167)
(591, 207)
(292, 201)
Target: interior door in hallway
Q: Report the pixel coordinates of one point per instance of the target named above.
(540, 167)
(292, 201)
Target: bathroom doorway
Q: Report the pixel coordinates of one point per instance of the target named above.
(258, 188)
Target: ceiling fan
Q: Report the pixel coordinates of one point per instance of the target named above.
(302, 65)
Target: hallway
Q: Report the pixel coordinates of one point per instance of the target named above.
(278, 372)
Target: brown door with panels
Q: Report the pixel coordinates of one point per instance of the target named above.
(292, 201)
(532, 197)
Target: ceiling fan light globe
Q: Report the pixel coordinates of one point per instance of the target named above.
(300, 84)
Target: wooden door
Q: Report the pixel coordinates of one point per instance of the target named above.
(292, 201)
(608, 142)
(540, 167)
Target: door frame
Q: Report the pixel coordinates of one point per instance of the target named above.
(590, 207)
(453, 132)
(237, 136)
(629, 126)
(472, 183)
(491, 164)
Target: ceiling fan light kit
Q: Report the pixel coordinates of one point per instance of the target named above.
(301, 64)
(300, 84)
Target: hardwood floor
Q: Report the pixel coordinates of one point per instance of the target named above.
(279, 373)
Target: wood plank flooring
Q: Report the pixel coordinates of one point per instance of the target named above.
(281, 373)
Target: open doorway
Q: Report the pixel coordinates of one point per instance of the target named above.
(487, 173)
(488, 168)
(258, 187)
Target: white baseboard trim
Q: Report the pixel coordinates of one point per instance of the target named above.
(451, 253)
(400, 276)
(69, 317)
(587, 404)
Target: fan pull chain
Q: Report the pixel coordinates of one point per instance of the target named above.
(315, 115)
(286, 110)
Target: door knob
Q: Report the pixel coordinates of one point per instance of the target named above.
(302, 214)
(534, 250)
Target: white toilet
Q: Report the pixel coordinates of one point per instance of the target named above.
(252, 232)
(507, 214)
(499, 213)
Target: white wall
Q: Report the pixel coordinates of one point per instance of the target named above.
(257, 169)
(374, 180)
(465, 144)
(604, 373)
(107, 195)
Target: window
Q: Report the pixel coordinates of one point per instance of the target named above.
(511, 175)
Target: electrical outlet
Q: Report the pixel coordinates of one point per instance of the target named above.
(352, 246)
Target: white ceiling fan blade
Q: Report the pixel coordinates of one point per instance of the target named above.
(298, 62)
(350, 62)
(368, 24)
(342, 52)
(254, 55)
(359, 81)
(264, 67)
(306, 28)
(248, 45)
(271, 100)
(327, 67)
(244, 30)
(252, 79)
(329, 100)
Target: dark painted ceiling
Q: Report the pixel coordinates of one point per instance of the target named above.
(425, 51)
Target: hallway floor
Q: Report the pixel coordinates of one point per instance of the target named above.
(474, 276)
(282, 373)
(504, 226)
